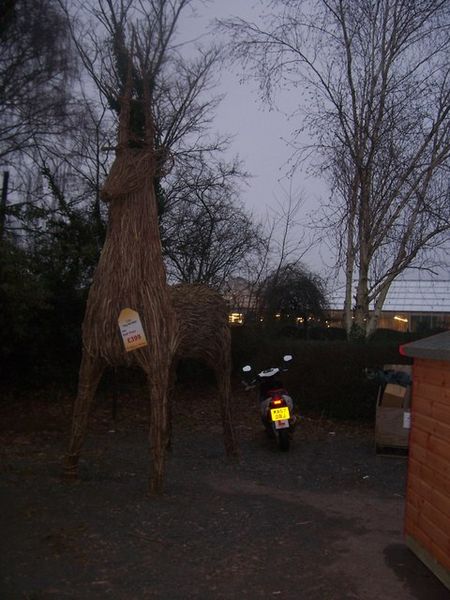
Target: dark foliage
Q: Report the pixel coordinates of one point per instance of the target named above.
(43, 288)
(293, 292)
(36, 65)
(326, 377)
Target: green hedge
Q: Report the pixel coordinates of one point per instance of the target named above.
(326, 377)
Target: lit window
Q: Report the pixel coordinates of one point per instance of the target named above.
(236, 318)
(401, 319)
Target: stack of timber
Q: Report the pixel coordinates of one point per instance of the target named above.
(427, 516)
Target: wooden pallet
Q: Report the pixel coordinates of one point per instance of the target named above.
(391, 451)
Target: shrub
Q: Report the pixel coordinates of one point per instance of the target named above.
(326, 377)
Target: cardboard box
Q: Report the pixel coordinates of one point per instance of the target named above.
(392, 428)
(393, 396)
(393, 417)
(401, 368)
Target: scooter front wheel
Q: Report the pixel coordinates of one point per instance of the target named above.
(283, 439)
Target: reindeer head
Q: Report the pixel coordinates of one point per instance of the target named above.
(132, 170)
(136, 162)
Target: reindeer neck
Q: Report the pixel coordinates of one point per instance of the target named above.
(133, 234)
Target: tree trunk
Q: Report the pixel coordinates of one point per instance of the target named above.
(359, 329)
(362, 293)
(349, 265)
(3, 204)
(381, 297)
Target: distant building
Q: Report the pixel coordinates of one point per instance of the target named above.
(411, 305)
(241, 300)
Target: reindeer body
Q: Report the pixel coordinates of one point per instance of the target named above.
(204, 334)
(130, 274)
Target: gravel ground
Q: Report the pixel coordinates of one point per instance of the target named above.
(321, 522)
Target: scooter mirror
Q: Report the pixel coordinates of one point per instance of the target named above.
(247, 368)
(287, 357)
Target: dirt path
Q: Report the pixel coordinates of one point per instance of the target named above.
(322, 522)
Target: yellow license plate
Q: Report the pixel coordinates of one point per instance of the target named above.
(280, 414)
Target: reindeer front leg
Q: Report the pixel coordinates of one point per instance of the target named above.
(158, 429)
(91, 371)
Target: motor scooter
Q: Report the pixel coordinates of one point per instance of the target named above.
(275, 403)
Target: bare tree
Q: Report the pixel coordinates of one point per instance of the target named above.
(181, 81)
(63, 174)
(286, 235)
(283, 242)
(37, 70)
(59, 177)
(293, 292)
(78, 163)
(374, 78)
(206, 234)
(36, 67)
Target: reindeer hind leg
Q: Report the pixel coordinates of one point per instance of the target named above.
(222, 371)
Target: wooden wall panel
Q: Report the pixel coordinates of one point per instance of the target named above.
(429, 424)
(443, 556)
(427, 511)
(421, 399)
(429, 484)
(431, 538)
(418, 534)
(424, 508)
(426, 457)
(432, 401)
(411, 514)
(439, 539)
(439, 447)
(435, 372)
(419, 437)
(428, 389)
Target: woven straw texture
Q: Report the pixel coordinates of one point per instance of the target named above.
(131, 274)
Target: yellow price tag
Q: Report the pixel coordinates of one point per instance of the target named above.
(131, 329)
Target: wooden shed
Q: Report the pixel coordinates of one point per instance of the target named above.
(427, 516)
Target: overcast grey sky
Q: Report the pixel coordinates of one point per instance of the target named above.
(259, 134)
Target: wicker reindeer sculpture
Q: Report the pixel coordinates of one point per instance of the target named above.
(131, 274)
(204, 334)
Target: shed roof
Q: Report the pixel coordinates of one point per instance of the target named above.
(410, 295)
(418, 295)
(436, 347)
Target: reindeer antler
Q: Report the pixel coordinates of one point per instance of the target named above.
(149, 122)
(125, 103)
